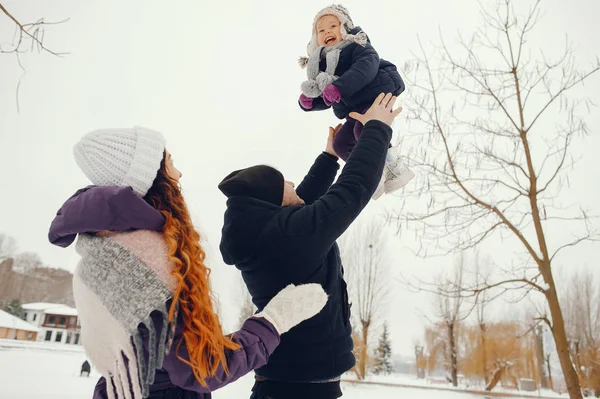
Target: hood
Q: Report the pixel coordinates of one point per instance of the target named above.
(244, 221)
(355, 31)
(97, 208)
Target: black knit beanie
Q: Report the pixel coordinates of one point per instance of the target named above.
(260, 182)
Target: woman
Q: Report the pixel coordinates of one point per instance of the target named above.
(142, 289)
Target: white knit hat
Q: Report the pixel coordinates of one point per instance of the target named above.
(121, 157)
(341, 13)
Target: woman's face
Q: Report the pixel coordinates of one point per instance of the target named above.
(172, 171)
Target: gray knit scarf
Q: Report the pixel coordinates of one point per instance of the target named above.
(317, 80)
(121, 279)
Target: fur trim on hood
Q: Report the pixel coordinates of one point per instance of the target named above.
(346, 25)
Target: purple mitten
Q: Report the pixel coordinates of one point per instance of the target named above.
(305, 102)
(332, 94)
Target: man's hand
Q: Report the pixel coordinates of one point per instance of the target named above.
(381, 110)
(332, 132)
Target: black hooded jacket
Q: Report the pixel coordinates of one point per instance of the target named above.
(274, 246)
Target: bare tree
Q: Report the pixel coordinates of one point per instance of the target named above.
(580, 300)
(453, 304)
(582, 308)
(482, 272)
(540, 355)
(420, 358)
(365, 256)
(27, 37)
(450, 309)
(8, 246)
(26, 262)
(491, 160)
(458, 300)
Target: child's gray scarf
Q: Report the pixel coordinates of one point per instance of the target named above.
(317, 81)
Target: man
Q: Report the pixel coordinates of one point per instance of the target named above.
(276, 236)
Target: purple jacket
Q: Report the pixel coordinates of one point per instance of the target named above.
(257, 338)
(93, 209)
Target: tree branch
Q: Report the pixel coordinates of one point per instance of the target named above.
(24, 29)
(561, 91)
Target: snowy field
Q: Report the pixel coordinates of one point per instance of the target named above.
(33, 373)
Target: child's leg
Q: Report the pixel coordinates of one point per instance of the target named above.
(358, 127)
(344, 141)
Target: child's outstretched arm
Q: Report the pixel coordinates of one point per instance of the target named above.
(312, 104)
(364, 68)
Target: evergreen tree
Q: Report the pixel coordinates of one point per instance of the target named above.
(383, 354)
(15, 309)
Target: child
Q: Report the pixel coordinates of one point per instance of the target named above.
(345, 72)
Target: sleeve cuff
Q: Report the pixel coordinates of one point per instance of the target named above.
(379, 124)
(329, 156)
(264, 330)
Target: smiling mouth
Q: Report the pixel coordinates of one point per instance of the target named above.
(330, 40)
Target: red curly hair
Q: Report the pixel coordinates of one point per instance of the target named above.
(202, 330)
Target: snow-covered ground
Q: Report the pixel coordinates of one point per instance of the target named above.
(34, 373)
(412, 381)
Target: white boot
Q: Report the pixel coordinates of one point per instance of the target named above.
(397, 174)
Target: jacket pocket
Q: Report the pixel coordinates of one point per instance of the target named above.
(346, 305)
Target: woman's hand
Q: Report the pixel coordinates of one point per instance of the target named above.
(332, 132)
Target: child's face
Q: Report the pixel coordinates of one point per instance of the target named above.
(328, 30)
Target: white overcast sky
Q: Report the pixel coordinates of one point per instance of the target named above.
(220, 80)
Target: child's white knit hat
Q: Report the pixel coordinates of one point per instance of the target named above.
(121, 157)
(341, 13)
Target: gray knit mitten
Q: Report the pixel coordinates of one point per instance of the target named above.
(294, 304)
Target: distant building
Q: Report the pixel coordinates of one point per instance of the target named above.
(11, 327)
(58, 323)
(404, 364)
